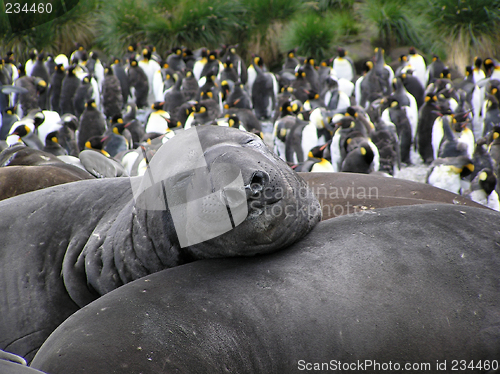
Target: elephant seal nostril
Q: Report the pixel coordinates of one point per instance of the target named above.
(257, 182)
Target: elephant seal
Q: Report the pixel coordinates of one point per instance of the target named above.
(7, 367)
(210, 192)
(347, 193)
(406, 285)
(13, 364)
(16, 180)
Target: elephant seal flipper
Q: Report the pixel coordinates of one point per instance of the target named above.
(398, 285)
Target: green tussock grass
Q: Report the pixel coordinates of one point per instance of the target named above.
(464, 28)
(312, 34)
(395, 22)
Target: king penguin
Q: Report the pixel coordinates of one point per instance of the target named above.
(138, 80)
(344, 66)
(70, 85)
(418, 66)
(92, 123)
(482, 189)
(55, 88)
(112, 99)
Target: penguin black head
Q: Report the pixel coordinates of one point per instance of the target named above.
(86, 79)
(84, 56)
(412, 51)
(233, 121)
(132, 62)
(351, 112)
(487, 180)
(341, 52)
(21, 131)
(41, 56)
(91, 105)
(32, 54)
(96, 143)
(52, 137)
(71, 71)
(445, 73)
(38, 118)
(146, 53)
(468, 71)
(158, 105)
(9, 57)
(116, 119)
(478, 61)
(488, 64)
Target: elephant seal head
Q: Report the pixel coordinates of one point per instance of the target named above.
(227, 194)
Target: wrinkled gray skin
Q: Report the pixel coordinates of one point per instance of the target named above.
(65, 246)
(409, 284)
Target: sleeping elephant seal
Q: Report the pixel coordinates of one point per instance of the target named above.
(401, 285)
(211, 192)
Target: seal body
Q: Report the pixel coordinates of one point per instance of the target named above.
(409, 295)
(90, 237)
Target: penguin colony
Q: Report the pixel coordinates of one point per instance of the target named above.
(324, 116)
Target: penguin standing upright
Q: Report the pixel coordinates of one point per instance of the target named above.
(33, 53)
(189, 85)
(414, 87)
(492, 115)
(67, 134)
(138, 80)
(70, 85)
(82, 95)
(398, 116)
(55, 88)
(9, 117)
(200, 63)
(175, 60)
(174, 97)
(153, 73)
(39, 70)
(426, 117)
(158, 121)
(112, 99)
(121, 74)
(238, 98)
(27, 100)
(132, 124)
(239, 65)
(434, 70)
(264, 92)
(477, 72)
(312, 74)
(344, 66)
(92, 123)
(418, 66)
